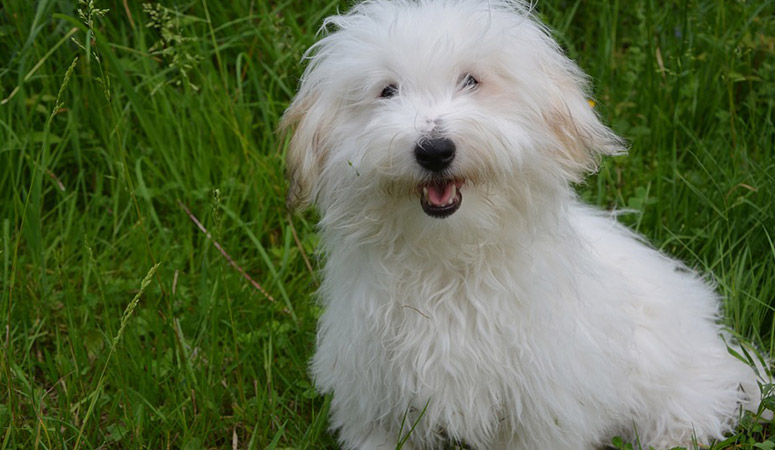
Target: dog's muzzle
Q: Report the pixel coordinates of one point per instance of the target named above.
(440, 197)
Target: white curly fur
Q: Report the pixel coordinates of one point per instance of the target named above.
(525, 320)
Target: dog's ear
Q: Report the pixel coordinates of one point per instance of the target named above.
(307, 149)
(580, 137)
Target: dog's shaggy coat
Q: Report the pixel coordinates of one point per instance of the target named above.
(467, 292)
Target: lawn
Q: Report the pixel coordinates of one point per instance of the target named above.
(154, 291)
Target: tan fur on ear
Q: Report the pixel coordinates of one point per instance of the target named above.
(306, 151)
(581, 136)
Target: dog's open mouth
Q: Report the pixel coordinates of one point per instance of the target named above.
(441, 198)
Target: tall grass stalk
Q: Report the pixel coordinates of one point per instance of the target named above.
(124, 320)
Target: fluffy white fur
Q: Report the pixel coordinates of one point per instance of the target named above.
(524, 320)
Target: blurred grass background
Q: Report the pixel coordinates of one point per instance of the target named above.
(125, 326)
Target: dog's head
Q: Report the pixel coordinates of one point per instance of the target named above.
(416, 105)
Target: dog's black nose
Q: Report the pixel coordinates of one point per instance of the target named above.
(435, 154)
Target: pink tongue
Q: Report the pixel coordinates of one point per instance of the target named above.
(439, 194)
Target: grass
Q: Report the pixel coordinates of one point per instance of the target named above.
(125, 326)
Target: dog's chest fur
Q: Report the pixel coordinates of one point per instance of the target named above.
(445, 344)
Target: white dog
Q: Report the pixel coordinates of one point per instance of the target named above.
(469, 298)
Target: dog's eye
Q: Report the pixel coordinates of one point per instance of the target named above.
(391, 90)
(469, 82)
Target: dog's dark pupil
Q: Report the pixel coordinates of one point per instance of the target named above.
(470, 81)
(390, 91)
